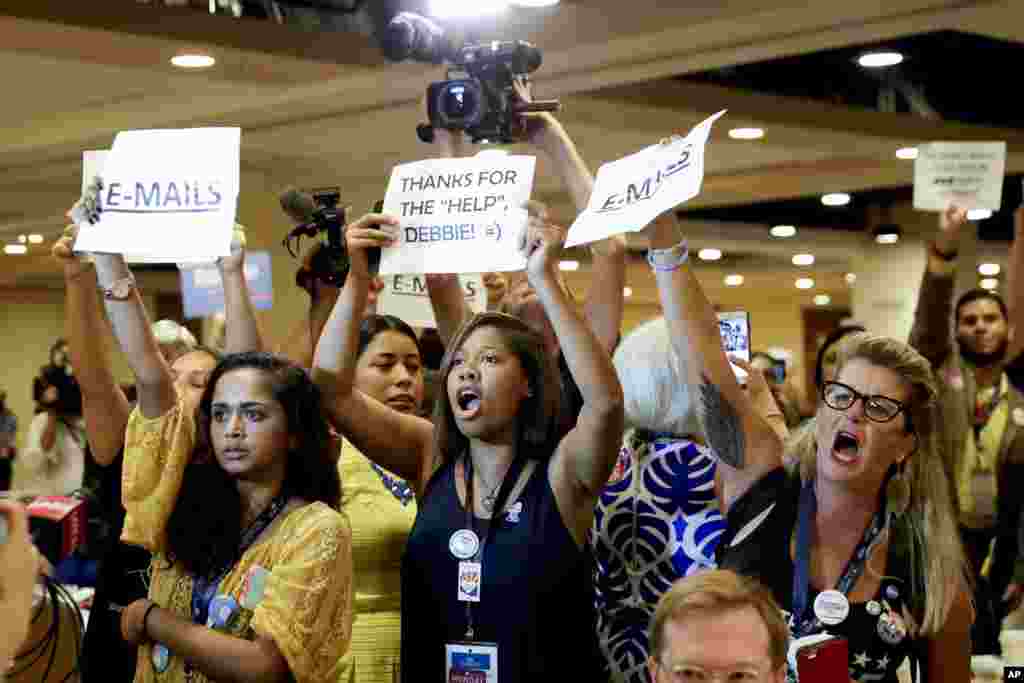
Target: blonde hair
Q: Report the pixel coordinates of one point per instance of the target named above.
(936, 559)
(720, 590)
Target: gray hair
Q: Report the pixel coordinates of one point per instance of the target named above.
(658, 391)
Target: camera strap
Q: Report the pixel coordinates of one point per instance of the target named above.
(803, 623)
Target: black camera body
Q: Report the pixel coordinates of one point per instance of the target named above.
(479, 95)
(318, 215)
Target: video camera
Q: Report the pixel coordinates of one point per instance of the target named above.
(316, 214)
(478, 96)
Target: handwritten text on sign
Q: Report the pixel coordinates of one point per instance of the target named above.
(631, 192)
(181, 209)
(969, 174)
(405, 297)
(455, 215)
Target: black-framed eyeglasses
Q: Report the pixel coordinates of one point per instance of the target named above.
(877, 408)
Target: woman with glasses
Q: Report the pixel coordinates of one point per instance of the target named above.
(859, 540)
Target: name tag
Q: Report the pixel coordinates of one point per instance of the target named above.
(471, 662)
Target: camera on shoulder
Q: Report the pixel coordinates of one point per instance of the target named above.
(479, 95)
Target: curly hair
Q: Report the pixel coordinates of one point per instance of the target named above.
(202, 536)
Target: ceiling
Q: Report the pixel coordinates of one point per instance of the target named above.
(323, 107)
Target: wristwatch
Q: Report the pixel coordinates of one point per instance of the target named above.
(119, 290)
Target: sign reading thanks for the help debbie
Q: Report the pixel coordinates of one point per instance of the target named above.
(202, 291)
(631, 192)
(458, 215)
(969, 174)
(405, 296)
(168, 195)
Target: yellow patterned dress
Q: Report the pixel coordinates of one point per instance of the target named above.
(306, 608)
(381, 508)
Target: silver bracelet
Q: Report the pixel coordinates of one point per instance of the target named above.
(667, 260)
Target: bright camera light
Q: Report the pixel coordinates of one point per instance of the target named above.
(627, 291)
(35, 239)
(835, 199)
(878, 60)
(746, 133)
(822, 300)
(804, 283)
(14, 249)
(709, 254)
(989, 283)
(783, 231)
(193, 61)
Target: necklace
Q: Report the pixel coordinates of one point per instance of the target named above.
(488, 501)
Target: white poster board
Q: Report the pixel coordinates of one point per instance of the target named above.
(405, 296)
(631, 192)
(968, 174)
(168, 195)
(458, 215)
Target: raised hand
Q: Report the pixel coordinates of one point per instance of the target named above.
(64, 251)
(236, 261)
(372, 230)
(497, 286)
(951, 220)
(541, 243)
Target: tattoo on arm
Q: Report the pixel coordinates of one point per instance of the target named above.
(722, 426)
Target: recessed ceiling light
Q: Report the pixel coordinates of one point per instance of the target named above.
(709, 254)
(627, 291)
(906, 153)
(822, 300)
(15, 249)
(193, 61)
(989, 269)
(449, 9)
(835, 199)
(887, 238)
(877, 60)
(534, 3)
(804, 283)
(851, 278)
(22, 239)
(734, 280)
(746, 133)
(803, 259)
(783, 231)
(568, 265)
(35, 239)
(979, 214)
(989, 283)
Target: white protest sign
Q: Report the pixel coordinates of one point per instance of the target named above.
(168, 195)
(458, 215)
(631, 192)
(969, 174)
(92, 166)
(405, 296)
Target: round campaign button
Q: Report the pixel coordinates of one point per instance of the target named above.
(831, 607)
(464, 543)
(873, 608)
(892, 592)
(161, 658)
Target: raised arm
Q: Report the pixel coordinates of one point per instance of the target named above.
(931, 333)
(1015, 288)
(401, 443)
(743, 442)
(242, 332)
(104, 405)
(585, 457)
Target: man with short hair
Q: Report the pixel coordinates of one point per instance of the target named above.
(983, 418)
(718, 624)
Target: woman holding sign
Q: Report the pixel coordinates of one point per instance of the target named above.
(494, 578)
(873, 554)
(251, 576)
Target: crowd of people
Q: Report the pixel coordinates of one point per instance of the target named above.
(526, 494)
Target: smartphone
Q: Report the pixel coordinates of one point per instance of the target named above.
(734, 326)
(373, 255)
(823, 659)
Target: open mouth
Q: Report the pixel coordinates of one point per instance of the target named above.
(468, 400)
(846, 447)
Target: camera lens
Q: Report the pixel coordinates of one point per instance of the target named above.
(458, 102)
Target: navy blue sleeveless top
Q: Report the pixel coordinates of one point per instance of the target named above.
(535, 597)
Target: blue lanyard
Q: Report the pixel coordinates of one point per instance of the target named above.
(802, 623)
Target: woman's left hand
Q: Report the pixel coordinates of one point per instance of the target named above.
(236, 261)
(133, 622)
(541, 243)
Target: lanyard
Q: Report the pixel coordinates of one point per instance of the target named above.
(802, 624)
(507, 484)
(204, 588)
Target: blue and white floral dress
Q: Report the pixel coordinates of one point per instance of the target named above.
(656, 521)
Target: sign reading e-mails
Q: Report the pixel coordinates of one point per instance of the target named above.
(631, 192)
(458, 215)
(168, 195)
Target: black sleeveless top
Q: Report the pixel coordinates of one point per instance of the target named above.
(762, 521)
(535, 595)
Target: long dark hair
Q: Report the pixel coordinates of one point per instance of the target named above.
(538, 414)
(373, 325)
(206, 523)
